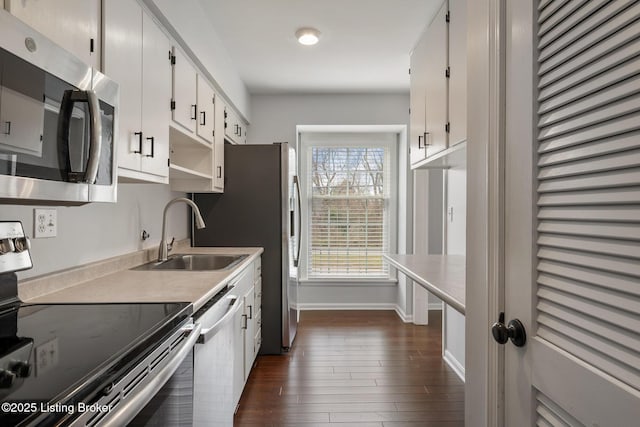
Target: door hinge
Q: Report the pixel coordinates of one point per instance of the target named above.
(409, 111)
(173, 105)
(91, 45)
(447, 127)
(409, 70)
(170, 55)
(168, 162)
(173, 60)
(213, 133)
(448, 16)
(447, 72)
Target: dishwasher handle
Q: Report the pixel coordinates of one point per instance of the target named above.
(206, 334)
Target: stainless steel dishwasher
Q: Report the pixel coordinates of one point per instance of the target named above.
(213, 404)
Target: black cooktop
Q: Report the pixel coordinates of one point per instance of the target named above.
(72, 352)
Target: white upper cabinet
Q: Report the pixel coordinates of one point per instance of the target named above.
(439, 86)
(218, 146)
(205, 110)
(436, 83)
(458, 71)
(184, 104)
(418, 118)
(136, 55)
(73, 24)
(234, 129)
(156, 91)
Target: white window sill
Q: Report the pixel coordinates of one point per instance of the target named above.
(348, 282)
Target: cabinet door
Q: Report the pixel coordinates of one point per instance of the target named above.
(156, 98)
(184, 91)
(218, 147)
(238, 354)
(249, 344)
(73, 24)
(458, 70)
(206, 117)
(436, 83)
(418, 83)
(123, 63)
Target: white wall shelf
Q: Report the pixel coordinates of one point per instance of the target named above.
(451, 157)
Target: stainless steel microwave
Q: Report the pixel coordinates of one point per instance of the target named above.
(58, 119)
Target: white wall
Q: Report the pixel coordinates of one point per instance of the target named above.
(453, 341)
(274, 119)
(102, 230)
(188, 24)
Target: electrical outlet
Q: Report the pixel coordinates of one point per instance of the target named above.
(45, 223)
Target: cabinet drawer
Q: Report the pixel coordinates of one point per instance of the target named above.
(257, 269)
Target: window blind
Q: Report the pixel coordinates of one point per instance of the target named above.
(349, 218)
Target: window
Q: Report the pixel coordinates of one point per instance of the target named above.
(349, 207)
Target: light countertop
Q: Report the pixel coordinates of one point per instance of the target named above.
(126, 285)
(442, 275)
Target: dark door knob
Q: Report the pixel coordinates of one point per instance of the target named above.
(514, 331)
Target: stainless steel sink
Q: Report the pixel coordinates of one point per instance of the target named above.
(195, 262)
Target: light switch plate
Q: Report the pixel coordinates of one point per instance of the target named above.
(45, 223)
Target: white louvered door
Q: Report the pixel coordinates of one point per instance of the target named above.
(572, 212)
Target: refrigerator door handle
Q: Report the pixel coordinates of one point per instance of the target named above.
(296, 260)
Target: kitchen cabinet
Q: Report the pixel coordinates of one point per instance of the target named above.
(247, 326)
(205, 99)
(136, 55)
(72, 24)
(417, 91)
(438, 91)
(249, 331)
(197, 150)
(458, 71)
(218, 146)
(435, 74)
(184, 104)
(234, 129)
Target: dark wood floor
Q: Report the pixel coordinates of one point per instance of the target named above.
(355, 368)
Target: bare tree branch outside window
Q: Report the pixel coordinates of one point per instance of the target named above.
(349, 198)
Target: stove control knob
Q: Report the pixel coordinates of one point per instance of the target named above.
(22, 244)
(6, 378)
(21, 369)
(6, 246)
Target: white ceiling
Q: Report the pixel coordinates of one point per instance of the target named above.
(364, 46)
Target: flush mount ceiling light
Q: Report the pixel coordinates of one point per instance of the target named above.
(308, 36)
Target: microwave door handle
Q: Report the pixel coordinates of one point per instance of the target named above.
(95, 143)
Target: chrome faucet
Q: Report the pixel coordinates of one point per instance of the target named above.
(163, 250)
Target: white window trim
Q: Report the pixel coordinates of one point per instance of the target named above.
(382, 136)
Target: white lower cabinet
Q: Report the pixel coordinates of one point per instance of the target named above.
(247, 326)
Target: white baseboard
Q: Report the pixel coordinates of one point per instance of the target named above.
(454, 364)
(406, 318)
(346, 306)
(435, 306)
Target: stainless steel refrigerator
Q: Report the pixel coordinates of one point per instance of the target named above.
(260, 206)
